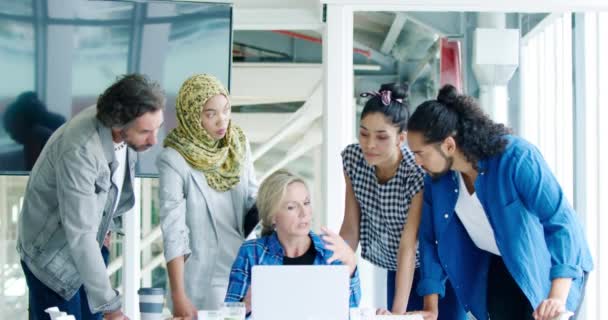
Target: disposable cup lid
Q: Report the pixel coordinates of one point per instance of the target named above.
(151, 291)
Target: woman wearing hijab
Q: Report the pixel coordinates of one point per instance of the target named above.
(207, 185)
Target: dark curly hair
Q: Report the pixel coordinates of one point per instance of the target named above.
(397, 112)
(459, 116)
(127, 99)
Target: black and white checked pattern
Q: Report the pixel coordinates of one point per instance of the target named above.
(383, 207)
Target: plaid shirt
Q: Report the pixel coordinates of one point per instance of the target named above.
(384, 207)
(268, 251)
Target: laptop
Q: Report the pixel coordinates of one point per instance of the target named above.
(318, 292)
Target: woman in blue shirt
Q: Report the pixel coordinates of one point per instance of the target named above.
(285, 211)
(495, 221)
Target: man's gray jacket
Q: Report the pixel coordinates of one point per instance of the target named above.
(68, 209)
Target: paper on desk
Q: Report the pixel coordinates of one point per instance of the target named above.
(400, 317)
(54, 313)
(564, 315)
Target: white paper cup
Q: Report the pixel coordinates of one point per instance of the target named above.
(210, 315)
(151, 302)
(233, 311)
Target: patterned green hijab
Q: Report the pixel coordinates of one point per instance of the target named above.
(220, 160)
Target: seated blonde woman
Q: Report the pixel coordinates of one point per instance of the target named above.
(284, 207)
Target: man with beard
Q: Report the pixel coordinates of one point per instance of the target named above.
(80, 185)
(495, 221)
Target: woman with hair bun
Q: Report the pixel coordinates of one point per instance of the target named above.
(496, 222)
(384, 198)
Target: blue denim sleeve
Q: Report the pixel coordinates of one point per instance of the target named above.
(355, 282)
(432, 276)
(542, 195)
(355, 289)
(240, 275)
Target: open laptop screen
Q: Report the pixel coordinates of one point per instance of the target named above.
(300, 292)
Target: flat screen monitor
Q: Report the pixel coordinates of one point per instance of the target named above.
(58, 56)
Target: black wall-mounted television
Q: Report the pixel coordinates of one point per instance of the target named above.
(57, 56)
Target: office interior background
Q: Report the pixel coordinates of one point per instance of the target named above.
(295, 69)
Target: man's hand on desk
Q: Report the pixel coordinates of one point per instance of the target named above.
(382, 311)
(427, 315)
(115, 315)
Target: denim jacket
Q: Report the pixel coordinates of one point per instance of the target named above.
(268, 251)
(537, 232)
(68, 209)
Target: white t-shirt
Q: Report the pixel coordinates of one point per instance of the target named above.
(118, 178)
(475, 221)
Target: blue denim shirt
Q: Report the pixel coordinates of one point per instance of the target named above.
(537, 231)
(268, 251)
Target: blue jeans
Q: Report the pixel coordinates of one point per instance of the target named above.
(41, 297)
(449, 306)
(506, 300)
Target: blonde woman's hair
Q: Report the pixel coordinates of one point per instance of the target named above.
(270, 194)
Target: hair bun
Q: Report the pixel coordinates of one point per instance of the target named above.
(447, 95)
(398, 90)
